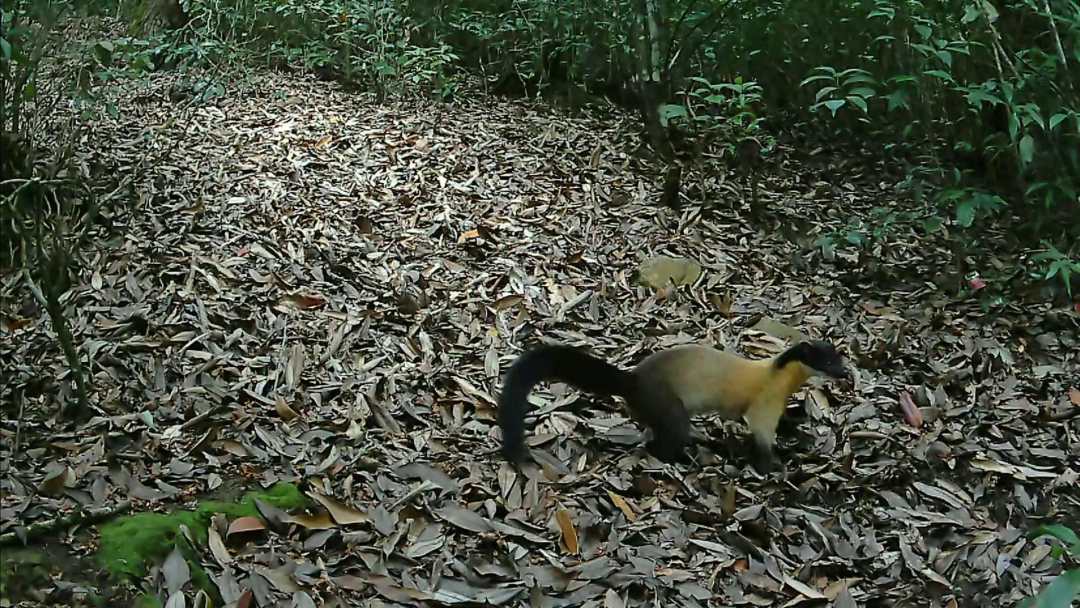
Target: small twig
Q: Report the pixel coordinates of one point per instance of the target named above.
(32, 180)
(51, 305)
(416, 491)
(85, 516)
(1057, 42)
(19, 423)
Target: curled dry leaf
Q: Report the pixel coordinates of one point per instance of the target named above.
(341, 513)
(59, 478)
(244, 525)
(302, 301)
(623, 505)
(283, 409)
(509, 301)
(727, 506)
(176, 571)
(217, 547)
(912, 413)
(313, 521)
(569, 533)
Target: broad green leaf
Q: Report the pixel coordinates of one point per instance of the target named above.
(1063, 533)
(976, 96)
(947, 77)
(1056, 120)
(853, 73)
(897, 99)
(815, 79)
(859, 102)
(1061, 592)
(965, 212)
(859, 78)
(5, 48)
(1027, 149)
(669, 111)
(824, 92)
(834, 105)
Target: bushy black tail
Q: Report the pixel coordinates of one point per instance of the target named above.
(549, 362)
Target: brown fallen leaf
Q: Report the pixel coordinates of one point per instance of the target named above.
(727, 505)
(569, 533)
(468, 235)
(341, 513)
(281, 578)
(232, 447)
(1074, 396)
(287, 413)
(912, 413)
(243, 525)
(302, 301)
(312, 521)
(509, 301)
(804, 589)
(217, 547)
(623, 506)
(56, 480)
(12, 324)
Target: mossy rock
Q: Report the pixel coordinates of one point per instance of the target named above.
(129, 544)
(661, 271)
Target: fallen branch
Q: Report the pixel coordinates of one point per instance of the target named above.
(83, 516)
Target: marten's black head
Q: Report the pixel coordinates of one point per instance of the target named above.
(818, 355)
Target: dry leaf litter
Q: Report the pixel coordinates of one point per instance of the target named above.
(324, 290)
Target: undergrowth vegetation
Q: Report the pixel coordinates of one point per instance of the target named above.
(976, 102)
(129, 544)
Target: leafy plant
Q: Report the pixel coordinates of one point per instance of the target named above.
(853, 87)
(1061, 592)
(725, 111)
(1054, 263)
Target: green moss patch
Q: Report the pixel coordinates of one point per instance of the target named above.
(129, 544)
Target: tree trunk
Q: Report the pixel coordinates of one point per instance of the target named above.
(648, 77)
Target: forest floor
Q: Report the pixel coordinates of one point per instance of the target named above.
(316, 288)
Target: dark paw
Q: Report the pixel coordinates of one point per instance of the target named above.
(515, 456)
(765, 461)
(666, 452)
(764, 465)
